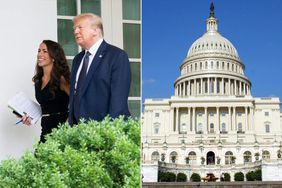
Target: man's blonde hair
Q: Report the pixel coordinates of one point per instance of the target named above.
(93, 18)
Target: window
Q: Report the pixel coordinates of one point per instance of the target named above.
(240, 128)
(183, 127)
(223, 127)
(157, 114)
(192, 157)
(211, 114)
(211, 128)
(132, 45)
(155, 156)
(265, 154)
(200, 128)
(247, 157)
(223, 113)
(200, 114)
(267, 128)
(173, 157)
(239, 114)
(229, 158)
(156, 128)
(266, 113)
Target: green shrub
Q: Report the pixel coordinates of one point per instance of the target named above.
(239, 176)
(257, 175)
(167, 177)
(250, 176)
(91, 154)
(181, 177)
(195, 177)
(227, 177)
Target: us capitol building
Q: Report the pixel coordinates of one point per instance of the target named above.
(212, 124)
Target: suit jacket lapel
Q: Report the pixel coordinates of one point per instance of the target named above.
(97, 60)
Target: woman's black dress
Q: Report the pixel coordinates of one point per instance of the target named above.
(54, 108)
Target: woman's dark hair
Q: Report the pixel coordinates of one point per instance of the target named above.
(60, 66)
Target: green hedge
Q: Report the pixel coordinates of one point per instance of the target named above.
(167, 177)
(195, 177)
(181, 177)
(239, 176)
(91, 154)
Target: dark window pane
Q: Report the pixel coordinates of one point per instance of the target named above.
(66, 38)
(135, 80)
(93, 6)
(66, 7)
(131, 40)
(131, 9)
(134, 108)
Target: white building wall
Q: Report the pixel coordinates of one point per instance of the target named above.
(24, 25)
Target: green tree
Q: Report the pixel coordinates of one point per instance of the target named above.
(227, 177)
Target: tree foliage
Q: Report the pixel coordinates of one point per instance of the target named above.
(91, 154)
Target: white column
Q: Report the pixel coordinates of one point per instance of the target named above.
(202, 87)
(188, 89)
(172, 119)
(229, 119)
(234, 117)
(207, 128)
(252, 118)
(222, 86)
(244, 89)
(229, 86)
(208, 85)
(195, 87)
(189, 120)
(217, 120)
(193, 119)
(246, 119)
(177, 120)
(235, 87)
(215, 85)
(240, 88)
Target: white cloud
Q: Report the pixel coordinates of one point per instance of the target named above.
(148, 81)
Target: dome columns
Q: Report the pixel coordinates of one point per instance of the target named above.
(212, 86)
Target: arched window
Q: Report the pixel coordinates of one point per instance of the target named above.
(173, 157)
(265, 154)
(155, 156)
(247, 157)
(192, 157)
(229, 158)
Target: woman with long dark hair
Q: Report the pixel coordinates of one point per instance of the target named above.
(52, 85)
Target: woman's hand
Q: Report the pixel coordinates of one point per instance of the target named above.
(26, 120)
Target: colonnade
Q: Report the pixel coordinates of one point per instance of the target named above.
(229, 115)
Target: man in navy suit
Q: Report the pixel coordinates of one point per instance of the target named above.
(100, 75)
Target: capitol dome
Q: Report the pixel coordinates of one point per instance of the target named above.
(212, 66)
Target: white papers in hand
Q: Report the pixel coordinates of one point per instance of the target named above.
(25, 106)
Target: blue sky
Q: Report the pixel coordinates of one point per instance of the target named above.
(169, 27)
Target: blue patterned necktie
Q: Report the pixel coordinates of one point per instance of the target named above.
(80, 83)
